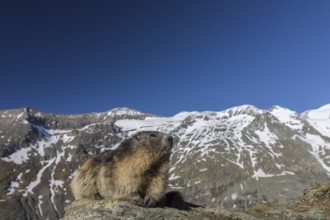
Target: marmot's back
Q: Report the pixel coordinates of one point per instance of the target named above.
(136, 171)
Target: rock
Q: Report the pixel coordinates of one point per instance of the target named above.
(104, 209)
(315, 201)
(107, 210)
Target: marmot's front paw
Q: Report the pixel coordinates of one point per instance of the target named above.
(149, 202)
(138, 201)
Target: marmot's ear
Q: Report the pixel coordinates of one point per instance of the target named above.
(137, 137)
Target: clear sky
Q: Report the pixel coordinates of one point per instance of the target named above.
(164, 57)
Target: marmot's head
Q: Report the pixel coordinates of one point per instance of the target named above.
(154, 141)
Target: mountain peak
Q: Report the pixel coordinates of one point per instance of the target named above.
(244, 109)
(124, 111)
(325, 109)
(288, 117)
(276, 110)
(319, 119)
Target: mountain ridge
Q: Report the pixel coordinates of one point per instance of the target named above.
(227, 158)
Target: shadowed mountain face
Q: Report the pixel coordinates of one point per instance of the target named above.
(233, 158)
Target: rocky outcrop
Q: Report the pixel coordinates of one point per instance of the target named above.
(87, 209)
(106, 210)
(313, 205)
(316, 196)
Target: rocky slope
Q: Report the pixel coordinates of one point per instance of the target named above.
(230, 159)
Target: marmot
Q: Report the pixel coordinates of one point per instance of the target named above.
(137, 171)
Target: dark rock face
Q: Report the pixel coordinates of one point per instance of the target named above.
(231, 159)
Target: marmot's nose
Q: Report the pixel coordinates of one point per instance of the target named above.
(170, 139)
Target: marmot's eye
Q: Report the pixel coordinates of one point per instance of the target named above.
(153, 135)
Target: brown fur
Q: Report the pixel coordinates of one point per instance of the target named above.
(137, 171)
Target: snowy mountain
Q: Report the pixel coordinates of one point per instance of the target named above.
(232, 158)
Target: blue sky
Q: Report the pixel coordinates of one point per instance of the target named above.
(164, 57)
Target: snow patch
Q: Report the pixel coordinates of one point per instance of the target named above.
(197, 182)
(288, 117)
(266, 136)
(34, 183)
(320, 119)
(69, 158)
(20, 115)
(57, 132)
(54, 184)
(123, 112)
(286, 173)
(261, 174)
(174, 177)
(39, 205)
(19, 157)
(319, 145)
(234, 196)
(66, 138)
(14, 184)
(24, 122)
